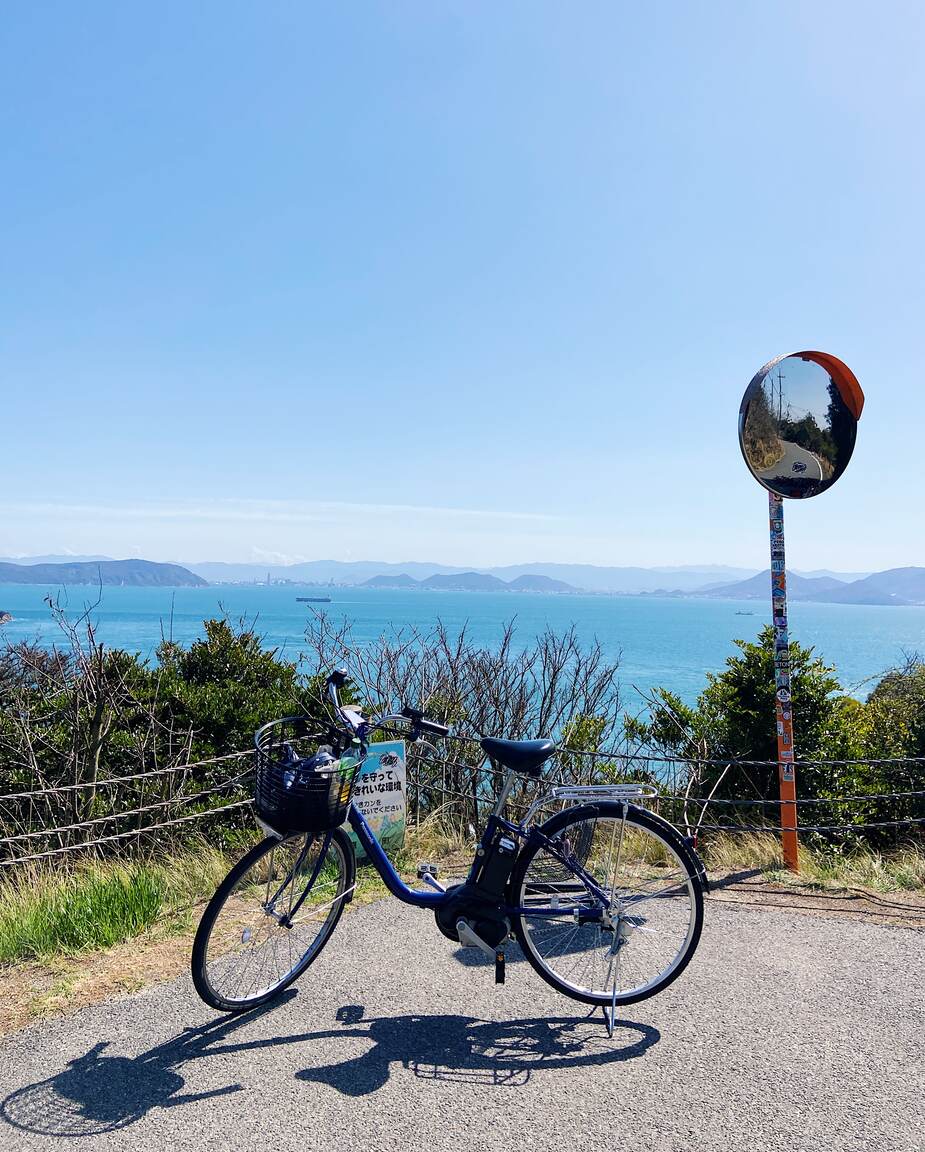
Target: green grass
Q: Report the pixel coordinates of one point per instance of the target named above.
(46, 913)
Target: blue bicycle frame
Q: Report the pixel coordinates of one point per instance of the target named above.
(361, 730)
(433, 899)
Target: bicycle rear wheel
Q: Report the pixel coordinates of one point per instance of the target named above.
(652, 881)
(270, 918)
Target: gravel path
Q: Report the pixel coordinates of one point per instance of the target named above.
(786, 1032)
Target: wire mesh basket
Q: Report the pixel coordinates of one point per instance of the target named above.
(298, 787)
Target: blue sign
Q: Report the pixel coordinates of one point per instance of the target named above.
(380, 794)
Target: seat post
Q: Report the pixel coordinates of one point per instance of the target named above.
(506, 787)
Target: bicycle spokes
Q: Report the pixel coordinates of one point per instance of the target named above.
(583, 924)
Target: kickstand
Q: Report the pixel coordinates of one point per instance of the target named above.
(610, 1011)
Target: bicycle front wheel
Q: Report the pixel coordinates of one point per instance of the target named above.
(651, 882)
(270, 918)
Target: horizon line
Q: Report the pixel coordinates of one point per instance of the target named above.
(74, 557)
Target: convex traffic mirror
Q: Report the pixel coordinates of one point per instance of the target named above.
(798, 422)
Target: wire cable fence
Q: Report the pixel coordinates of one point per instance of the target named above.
(697, 794)
(125, 813)
(161, 805)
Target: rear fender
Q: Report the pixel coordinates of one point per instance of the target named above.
(690, 843)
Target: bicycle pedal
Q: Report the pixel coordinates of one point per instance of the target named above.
(499, 967)
(428, 870)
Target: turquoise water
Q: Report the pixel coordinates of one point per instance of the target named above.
(662, 642)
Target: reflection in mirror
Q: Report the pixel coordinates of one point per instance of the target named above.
(796, 428)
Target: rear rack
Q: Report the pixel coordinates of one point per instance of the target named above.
(620, 793)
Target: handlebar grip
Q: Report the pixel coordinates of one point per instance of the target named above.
(434, 728)
(417, 717)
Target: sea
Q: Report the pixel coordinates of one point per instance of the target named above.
(660, 642)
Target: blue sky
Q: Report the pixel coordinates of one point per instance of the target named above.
(475, 283)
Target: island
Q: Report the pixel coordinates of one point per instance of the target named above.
(132, 573)
(899, 587)
(469, 582)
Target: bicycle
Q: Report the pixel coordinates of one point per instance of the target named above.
(604, 897)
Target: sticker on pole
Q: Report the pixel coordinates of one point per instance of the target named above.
(380, 794)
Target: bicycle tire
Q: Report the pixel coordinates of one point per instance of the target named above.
(690, 878)
(340, 849)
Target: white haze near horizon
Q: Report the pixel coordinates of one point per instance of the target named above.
(282, 532)
(689, 577)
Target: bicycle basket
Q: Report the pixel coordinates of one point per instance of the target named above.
(296, 791)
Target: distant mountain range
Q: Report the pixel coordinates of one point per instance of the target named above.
(895, 586)
(51, 559)
(630, 581)
(588, 577)
(137, 573)
(470, 582)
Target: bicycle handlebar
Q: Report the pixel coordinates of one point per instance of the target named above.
(337, 679)
(419, 722)
(424, 723)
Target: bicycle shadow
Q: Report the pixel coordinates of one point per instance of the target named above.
(96, 1093)
(464, 1049)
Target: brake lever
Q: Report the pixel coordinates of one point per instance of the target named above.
(427, 744)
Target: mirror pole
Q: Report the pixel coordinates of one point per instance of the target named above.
(786, 768)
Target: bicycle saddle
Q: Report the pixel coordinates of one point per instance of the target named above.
(527, 756)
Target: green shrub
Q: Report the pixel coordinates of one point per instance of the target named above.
(734, 719)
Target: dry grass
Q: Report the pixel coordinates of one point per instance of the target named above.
(58, 911)
(747, 850)
(98, 930)
(899, 870)
(64, 984)
(435, 840)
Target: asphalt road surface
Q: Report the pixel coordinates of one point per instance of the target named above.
(787, 1032)
(794, 454)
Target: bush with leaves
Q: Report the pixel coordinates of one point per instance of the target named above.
(224, 686)
(734, 720)
(84, 717)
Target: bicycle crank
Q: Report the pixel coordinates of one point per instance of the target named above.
(469, 938)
